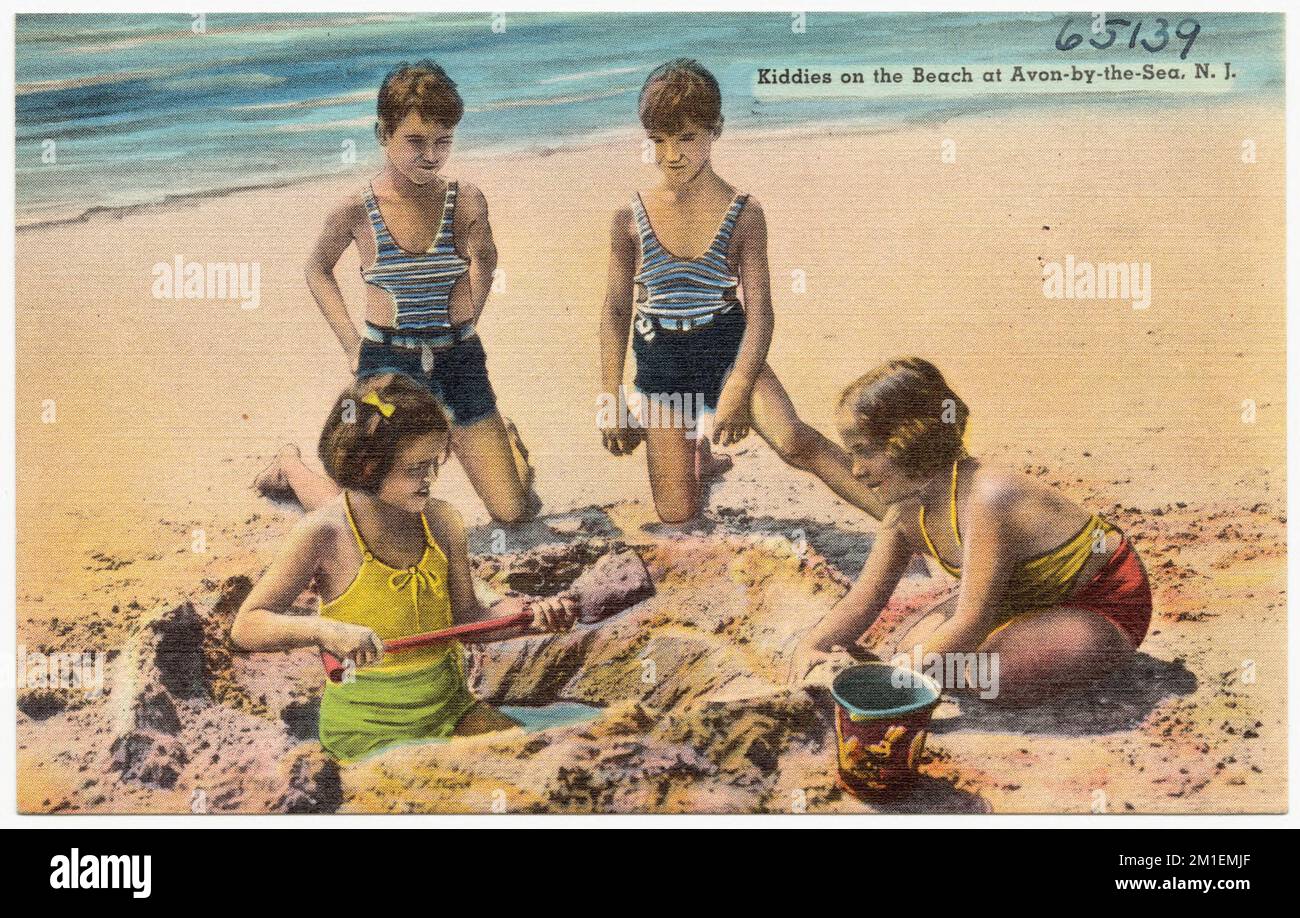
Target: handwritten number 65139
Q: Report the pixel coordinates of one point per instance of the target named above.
(1187, 30)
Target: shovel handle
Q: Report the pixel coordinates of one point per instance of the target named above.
(334, 666)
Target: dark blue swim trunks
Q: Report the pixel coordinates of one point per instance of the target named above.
(458, 377)
(691, 363)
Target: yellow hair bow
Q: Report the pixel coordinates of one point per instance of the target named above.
(385, 408)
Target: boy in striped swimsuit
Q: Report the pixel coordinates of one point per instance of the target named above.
(427, 255)
(694, 338)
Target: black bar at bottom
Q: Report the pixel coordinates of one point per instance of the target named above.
(364, 867)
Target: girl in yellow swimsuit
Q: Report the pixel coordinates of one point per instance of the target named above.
(387, 560)
(1056, 591)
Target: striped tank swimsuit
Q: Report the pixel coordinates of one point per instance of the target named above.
(419, 282)
(682, 293)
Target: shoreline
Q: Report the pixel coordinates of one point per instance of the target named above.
(848, 126)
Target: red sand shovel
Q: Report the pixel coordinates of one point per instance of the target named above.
(334, 667)
(617, 581)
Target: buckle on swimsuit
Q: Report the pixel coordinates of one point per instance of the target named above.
(685, 324)
(426, 344)
(689, 323)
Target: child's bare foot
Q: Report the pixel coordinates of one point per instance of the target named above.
(271, 481)
(709, 465)
(522, 465)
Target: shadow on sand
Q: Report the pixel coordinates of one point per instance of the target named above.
(1121, 701)
(550, 529)
(933, 795)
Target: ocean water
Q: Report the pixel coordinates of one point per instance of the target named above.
(117, 110)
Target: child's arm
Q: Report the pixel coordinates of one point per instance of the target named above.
(261, 624)
(616, 323)
(334, 239)
(860, 607)
(731, 423)
(988, 557)
(469, 295)
(552, 614)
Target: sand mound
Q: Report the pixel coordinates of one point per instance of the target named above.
(698, 715)
(694, 709)
(690, 680)
(183, 726)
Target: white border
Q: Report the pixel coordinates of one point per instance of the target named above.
(8, 628)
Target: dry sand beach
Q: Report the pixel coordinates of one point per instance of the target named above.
(167, 409)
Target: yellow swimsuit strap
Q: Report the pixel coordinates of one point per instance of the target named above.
(1043, 579)
(952, 503)
(415, 577)
(953, 506)
(365, 552)
(347, 508)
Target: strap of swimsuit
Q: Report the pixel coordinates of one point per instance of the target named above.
(376, 218)
(644, 231)
(723, 239)
(920, 519)
(347, 507)
(930, 545)
(953, 501)
(445, 231)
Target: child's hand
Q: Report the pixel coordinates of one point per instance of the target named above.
(621, 441)
(812, 666)
(351, 642)
(555, 613)
(731, 422)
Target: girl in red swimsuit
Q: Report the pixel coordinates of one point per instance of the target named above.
(1056, 591)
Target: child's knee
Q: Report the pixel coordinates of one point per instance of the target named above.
(676, 512)
(1043, 656)
(511, 511)
(512, 517)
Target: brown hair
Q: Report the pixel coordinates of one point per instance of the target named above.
(422, 87)
(907, 408)
(679, 91)
(359, 443)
